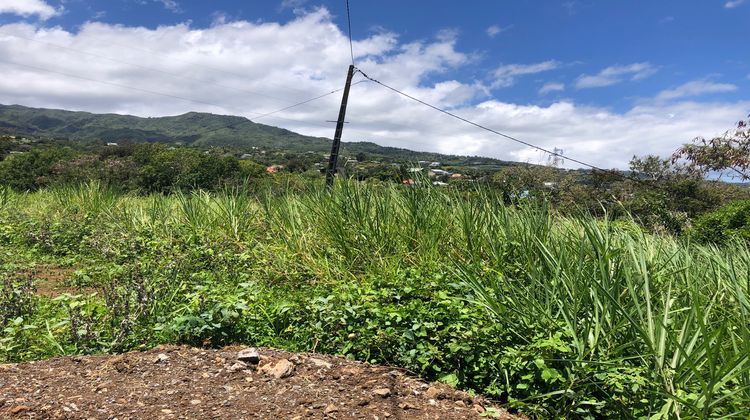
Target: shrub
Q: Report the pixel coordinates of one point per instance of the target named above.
(720, 226)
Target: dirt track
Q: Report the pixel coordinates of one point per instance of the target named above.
(182, 382)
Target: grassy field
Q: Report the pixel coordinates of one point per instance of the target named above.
(555, 316)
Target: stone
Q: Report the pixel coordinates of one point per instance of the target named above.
(237, 366)
(330, 408)
(161, 358)
(407, 406)
(279, 370)
(195, 402)
(434, 393)
(351, 370)
(19, 409)
(250, 355)
(320, 363)
(382, 392)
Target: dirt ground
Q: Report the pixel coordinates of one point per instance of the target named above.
(188, 383)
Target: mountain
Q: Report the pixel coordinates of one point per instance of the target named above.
(192, 129)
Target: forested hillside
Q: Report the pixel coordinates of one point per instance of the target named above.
(191, 129)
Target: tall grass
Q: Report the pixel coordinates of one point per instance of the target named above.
(591, 310)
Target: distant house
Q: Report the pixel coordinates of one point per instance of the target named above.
(435, 165)
(439, 184)
(415, 170)
(457, 176)
(246, 156)
(275, 168)
(439, 172)
(409, 181)
(111, 144)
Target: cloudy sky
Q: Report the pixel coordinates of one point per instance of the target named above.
(601, 80)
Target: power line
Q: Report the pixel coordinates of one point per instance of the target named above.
(525, 143)
(517, 140)
(291, 106)
(349, 20)
(169, 95)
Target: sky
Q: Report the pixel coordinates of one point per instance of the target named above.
(601, 80)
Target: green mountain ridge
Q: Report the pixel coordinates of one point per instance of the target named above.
(192, 129)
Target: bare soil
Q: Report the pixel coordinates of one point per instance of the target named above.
(172, 382)
(50, 280)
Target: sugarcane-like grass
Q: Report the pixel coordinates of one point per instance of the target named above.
(556, 316)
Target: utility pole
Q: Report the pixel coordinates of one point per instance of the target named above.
(334, 156)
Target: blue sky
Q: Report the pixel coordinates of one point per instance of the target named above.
(531, 68)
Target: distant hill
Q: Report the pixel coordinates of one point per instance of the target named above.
(193, 129)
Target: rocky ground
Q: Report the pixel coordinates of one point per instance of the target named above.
(233, 383)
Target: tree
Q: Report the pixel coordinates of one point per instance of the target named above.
(728, 152)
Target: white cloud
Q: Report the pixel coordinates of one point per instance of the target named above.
(616, 74)
(551, 87)
(495, 30)
(292, 4)
(695, 88)
(171, 5)
(245, 68)
(733, 3)
(506, 75)
(27, 8)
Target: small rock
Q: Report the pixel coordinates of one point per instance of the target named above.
(351, 370)
(432, 402)
(460, 403)
(195, 402)
(297, 418)
(463, 396)
(382, 392)
(320, 363)
(330, 408)
(407, 406)
(434, 393)
(478, 408)
(166, 411)
(250, 355)
(236, 367)
(19, 409)
(161, 358)
(279, 370)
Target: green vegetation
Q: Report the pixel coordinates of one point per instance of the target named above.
(198, 130)
(722, 226)
(558, 316)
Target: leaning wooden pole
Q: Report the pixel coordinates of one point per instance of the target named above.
(334, 156)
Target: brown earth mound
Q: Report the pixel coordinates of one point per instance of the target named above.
(183, 382)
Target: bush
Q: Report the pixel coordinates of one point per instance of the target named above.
(720, 226)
